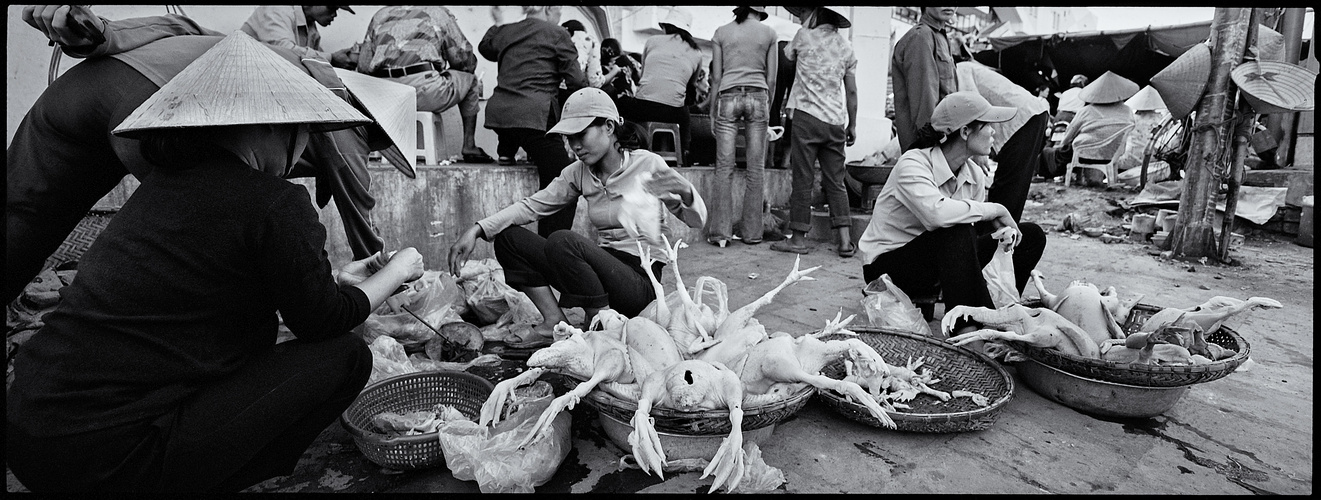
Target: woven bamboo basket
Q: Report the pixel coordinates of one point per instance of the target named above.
(1145, 375)
(957, 368)
(81, 238)
(412, 392)
(702, 423)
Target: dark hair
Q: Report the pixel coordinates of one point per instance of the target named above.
(180, 148)
(742, 12)
(671, 29)
(627, 134)
(927, 136)
(574, 25)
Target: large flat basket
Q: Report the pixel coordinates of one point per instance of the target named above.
(412, 392)
(1145, 375)
(707, 422)
(957, 368)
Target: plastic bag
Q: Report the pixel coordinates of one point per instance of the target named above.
(487, 297)
(388, 359)
(999, 274)
(435, 298)
(888, 306)
(491, 456)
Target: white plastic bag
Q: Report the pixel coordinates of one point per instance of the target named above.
(888, 306)
(388, 359)
(435, 297)
(999, 275)
(491, 456)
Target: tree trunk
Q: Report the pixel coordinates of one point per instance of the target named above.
(1209, 154)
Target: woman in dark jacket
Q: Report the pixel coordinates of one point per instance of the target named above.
(159, 370)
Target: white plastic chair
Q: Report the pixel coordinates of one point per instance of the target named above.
(428, 141)
(1080, 150)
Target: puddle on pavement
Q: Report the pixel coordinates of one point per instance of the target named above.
(1232, 469)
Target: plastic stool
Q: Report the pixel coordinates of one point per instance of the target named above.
(675, 153)
(428, 139)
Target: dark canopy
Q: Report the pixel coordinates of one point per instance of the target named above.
(1136, 54)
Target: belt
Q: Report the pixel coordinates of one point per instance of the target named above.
(407, 70)
(743, 88)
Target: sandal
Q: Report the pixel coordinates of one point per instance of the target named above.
(522, 343)
(788, 247)
(479, 157)
(847, 252)
(506, 160)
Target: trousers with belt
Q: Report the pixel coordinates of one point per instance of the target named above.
(63, 159)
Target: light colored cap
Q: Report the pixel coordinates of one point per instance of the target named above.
(1182, 82)
(1109, 88)
(961, 108)
(584, 107)
(1146, 99)
(679, 17)
(241, 81)
(1276, 87)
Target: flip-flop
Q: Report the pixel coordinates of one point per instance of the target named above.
(848, 252)
(506, 160)
(785, 246)
(479, 157)
(537, 343)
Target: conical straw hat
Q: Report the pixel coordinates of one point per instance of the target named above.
(1146, 99)
(240, 81)
(1276, 87)
(1182, 82)
(394, 107)
(1109, 88)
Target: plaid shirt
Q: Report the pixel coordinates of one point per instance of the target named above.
(404, 35)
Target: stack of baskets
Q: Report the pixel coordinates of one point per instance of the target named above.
(1124, 389)
(412, 392)
(957, 368)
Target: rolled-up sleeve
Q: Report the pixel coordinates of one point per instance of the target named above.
(918, 192)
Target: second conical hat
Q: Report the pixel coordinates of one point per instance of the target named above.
(1109, 88)
(1146, 99)
(240, 81)
(1276, 87)
(1182, 82)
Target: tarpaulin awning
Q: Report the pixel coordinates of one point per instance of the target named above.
(1136, 54)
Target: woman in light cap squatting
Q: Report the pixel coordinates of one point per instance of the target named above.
(627, 191)
(932, 228)
(159, 371)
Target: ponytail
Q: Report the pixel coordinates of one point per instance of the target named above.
(670, 29)
(926, 137)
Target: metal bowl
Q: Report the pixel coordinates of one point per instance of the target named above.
(679, 446)
(870, 175)
(1097, 396)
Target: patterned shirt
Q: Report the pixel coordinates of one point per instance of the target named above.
(404, 35)
(824, 58)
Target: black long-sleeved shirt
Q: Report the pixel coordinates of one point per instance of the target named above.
(179, 290)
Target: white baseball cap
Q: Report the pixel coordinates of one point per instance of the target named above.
(584, 107)
(961, 108)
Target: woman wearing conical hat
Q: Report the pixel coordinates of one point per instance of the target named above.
(1103, 114)
(159, 370)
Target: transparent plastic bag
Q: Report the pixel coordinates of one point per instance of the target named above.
(388, 359)
(491, 456)
(435, 298)
(999, 275)
(889, 307)
(487, 297)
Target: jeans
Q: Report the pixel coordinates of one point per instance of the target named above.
(550, 156)
(747, 105)
(232, 434)
(817, 141)
(585, 274)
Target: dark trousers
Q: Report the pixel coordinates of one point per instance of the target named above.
(1017, 161)
(231, 434)
(815, 141)
(784, 81)
(951, 259)
(63, 159)
(585, 274)
(641, 110)
(550, 157)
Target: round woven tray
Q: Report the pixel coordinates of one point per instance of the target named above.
(957, 368)
(412, 392)
(1145, 375)
(702, 423)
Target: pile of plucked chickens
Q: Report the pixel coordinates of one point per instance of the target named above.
(690, 353)
(1082, 321)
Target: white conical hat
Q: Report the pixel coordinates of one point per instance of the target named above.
(240, 81)
(1109, 88)
(1146, 99)
(1276, 87)
(394, 107)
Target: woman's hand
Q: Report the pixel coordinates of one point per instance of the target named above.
(53, 21)
(356, 271)
(460, 250)
(667, 181)
(1006, 228)
(406, 262)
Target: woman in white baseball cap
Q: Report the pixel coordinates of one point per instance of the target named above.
(628, 192)
(933, 229)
